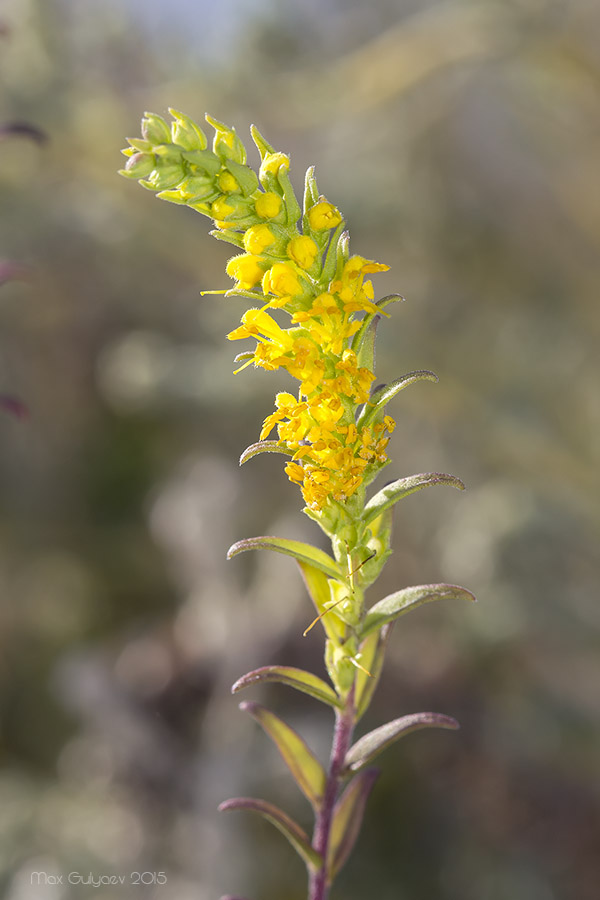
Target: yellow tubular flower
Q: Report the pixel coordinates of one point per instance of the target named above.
(324, 215)
(268, 205)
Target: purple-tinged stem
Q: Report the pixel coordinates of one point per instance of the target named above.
(318, 888)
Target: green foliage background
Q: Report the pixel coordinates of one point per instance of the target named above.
(461, 141)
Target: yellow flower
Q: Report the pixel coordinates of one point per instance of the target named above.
(324, 215)
(282, 281)
(246, 270)
(258, 238)
(303, 251)
(268, 205)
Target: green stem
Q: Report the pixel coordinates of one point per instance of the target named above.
(319, 884)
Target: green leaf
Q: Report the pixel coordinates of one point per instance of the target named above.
(290, 829)
(370, 745)
(318, 588)
(296, 678)
(366, 353)
(366, 323)
(263, 447)
(398, 490)
(382, 396)
(306, 769)
(347, 819)
(302, 552)
(372, 652)
(329, 266)
(230, 237)
(395, 605)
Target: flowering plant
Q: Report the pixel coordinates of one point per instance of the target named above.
(334, 432)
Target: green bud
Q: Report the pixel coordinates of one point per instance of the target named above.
(163, 178)
(226, 143)
(139, 144)
(186, 133)
(139, 165)
(155, 129)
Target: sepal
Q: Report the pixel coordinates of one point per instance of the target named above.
(300, 551)
(297, 678)
(372, 744)
(395, 605)
(290, 829)
(306, 769)
(347, 820)
(397, 490)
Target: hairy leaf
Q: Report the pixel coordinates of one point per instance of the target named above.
(400, 602)
(263, 447)
(302, 763)
(359, 337)
(302, 552)
(296, 678)
(382, 396)
(318, 588)
(290, 829)
(347, 819)
(370, 745)
(397, 490)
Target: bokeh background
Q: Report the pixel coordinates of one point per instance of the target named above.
(461, 140)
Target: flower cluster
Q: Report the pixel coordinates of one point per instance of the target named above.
(292, 260)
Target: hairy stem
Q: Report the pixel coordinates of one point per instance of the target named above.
(318, 888)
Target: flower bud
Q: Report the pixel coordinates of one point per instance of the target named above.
(155, 129)
(272, 164)
(226, 143)
(186, 133)
(139, 165)
(245, 269)
(268, 205)
(303, 251)
(258, 238)
(227, 182)
(323, 215)
(282, 281)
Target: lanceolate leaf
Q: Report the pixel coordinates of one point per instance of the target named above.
(296, 678)
(304, 766)
(292, 831)
(397, 490)
(366, 354)
(384, 394)
(372, 651)
(395, 605)
(263, 447)
(347, 819)
(318, 588)
(302, 552)
(370, 745)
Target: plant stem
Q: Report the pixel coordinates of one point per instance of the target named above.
(318, 888)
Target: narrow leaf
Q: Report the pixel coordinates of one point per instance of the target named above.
(347, 819)
(370, 745)
(263, 447)
(299, 758)
(395, 605)
(302, 552)
(366, 353)
(290, 829)
(397, 490)
(230, 237)
(23, 129)
(296, 678)
(318, 588)
(372, 651)
(382, 396)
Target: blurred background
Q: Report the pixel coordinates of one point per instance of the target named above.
(461, 140)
